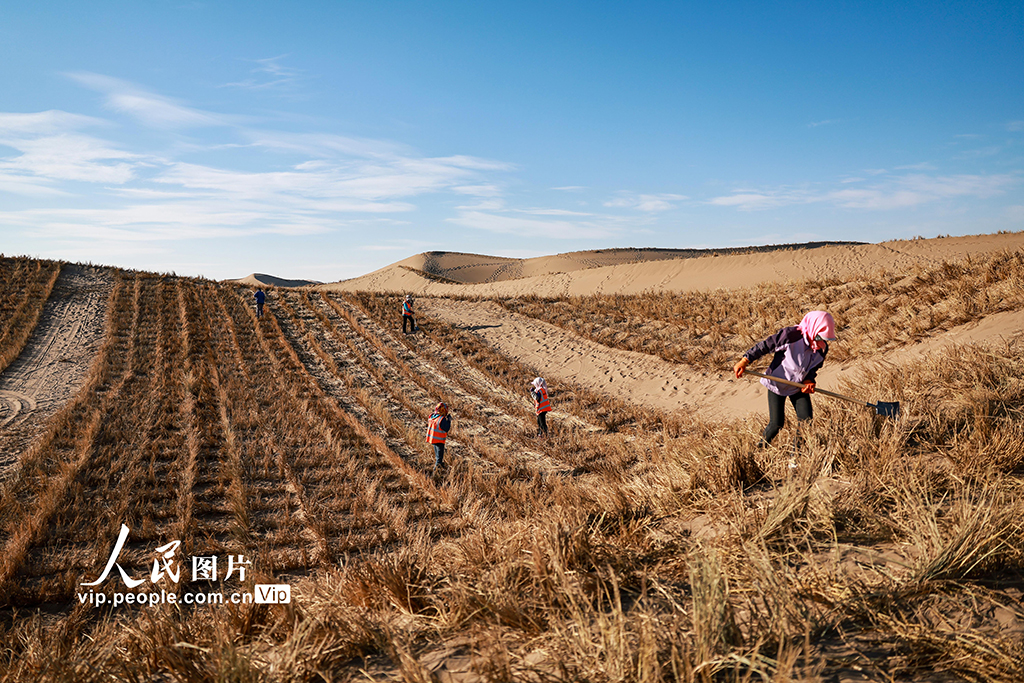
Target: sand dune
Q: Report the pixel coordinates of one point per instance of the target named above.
(582, 273)
(648, 380)
(260, 279)
(456, 267)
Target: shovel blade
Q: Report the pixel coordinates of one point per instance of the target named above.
(887, 409)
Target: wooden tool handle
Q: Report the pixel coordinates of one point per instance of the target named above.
(801, 386)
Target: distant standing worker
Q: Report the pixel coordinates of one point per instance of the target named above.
(438, 426)
(542, 404)
(407, 319)
(261, 298)
(799, 351)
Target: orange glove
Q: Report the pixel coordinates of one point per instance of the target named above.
(808, 388)
(740, 367)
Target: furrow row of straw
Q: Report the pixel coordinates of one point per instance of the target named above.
(505, 421)
(25, 286)
(481, 464)
(49, 467)
(417, 392)
(343, 443)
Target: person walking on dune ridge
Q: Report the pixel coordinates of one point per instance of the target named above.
(438, 425)
(541, 403)
(260, 297)
(407, 319)
(799, 351)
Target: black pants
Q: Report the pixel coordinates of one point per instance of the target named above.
(542, 423)
(408, 321)
(438, 455)
(259, 309)
(777, 413)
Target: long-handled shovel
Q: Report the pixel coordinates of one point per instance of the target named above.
(883, 408)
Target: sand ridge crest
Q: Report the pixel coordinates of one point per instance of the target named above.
(633, 271)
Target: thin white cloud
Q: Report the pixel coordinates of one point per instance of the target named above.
(648, 203)
(980, 152)
(752, 201)
(69, 157)
(44, 123)
(154, 110)
(324, 145)
(484, 205)
(269, 73)
(167, 222)
(872, 198)
(895, 192)
(474, 163)
(923, 166)
(49, 148)
(553, 212)
(826, 122)
(370, 182)
(13, 183)
(489, 190)
(1015, 126)
(146, 197)
(960, 185)
(529, 227)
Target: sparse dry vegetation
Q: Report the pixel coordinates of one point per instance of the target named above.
(630, 546)
(711, 329)
(24, 287)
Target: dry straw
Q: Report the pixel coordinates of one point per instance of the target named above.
(630, 546)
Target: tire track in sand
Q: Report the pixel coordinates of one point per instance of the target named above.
(56, 358)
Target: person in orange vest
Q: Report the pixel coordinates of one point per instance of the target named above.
(438, 426)
(407, 319)
(542, 404)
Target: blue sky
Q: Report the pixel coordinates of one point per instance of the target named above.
(323, 140)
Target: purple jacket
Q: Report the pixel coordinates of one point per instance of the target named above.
(794, 359)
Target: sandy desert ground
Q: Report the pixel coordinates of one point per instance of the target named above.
(642, 378)
(646, 539)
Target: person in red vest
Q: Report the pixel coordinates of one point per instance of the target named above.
(407, 319)
(438, 426)
(542, 404)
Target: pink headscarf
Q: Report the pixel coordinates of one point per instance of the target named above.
(818, 323)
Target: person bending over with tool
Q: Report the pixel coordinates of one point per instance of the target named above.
(542, 404)
(438, 426)
(799, 352)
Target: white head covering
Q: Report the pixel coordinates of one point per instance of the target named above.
(539, 382)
